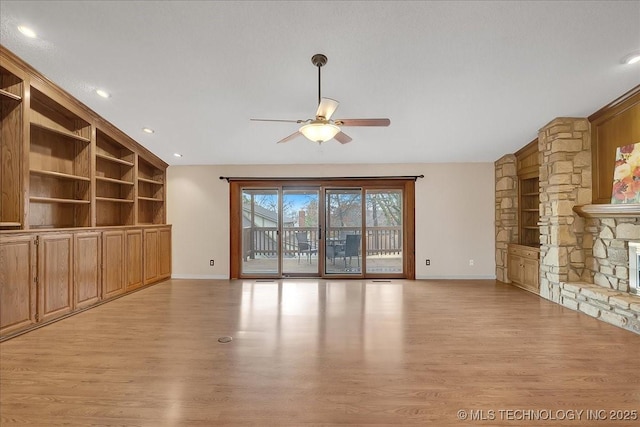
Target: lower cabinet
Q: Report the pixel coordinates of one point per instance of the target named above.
(87, 276)
(48, 274)
(134, 259)
(157, 254)
(17, 283)
(55, 275)
(523, 267)
(113, 267)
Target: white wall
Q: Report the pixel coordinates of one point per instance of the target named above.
(454, 214)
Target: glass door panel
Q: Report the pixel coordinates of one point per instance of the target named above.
(300, 231)
(260, 222)
(343, 236)
(384, 231)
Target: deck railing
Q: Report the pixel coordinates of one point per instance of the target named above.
(262, 242)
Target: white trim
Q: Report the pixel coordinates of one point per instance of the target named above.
(455, 277)
(200, 276)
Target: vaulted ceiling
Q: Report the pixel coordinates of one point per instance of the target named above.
(461, 81)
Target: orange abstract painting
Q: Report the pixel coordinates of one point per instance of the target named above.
(626, 175)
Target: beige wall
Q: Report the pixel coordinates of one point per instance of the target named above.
(454, 214)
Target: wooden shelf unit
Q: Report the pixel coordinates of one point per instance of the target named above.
(115, 182)
(70, 235)
(529, 195)
(59, 165)
(11, 131)
(151, 193)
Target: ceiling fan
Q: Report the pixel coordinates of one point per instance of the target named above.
(323, 128)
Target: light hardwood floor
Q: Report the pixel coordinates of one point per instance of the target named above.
(320, 352)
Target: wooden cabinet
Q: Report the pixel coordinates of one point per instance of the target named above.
(524, 267)
(113, 263)
(134, 259)
(87, 261)
(17, 283)
(76, 194)
(157, 254)
(55, 275)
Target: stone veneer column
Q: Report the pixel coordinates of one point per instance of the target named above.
(506, 211)
(565, 181)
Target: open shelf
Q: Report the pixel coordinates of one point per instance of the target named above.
(150, 181)
(113, 159)
(113, 180)
(60, 131)
(150, 199)
(113, 200)
(6, 94)
(57, 200)
(60, 175)
(10, 224)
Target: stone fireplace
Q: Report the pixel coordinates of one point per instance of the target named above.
(584, 248)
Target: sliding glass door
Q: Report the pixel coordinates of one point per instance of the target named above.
(330, 229)
(343, 237)
(300, 231)
(260, 231)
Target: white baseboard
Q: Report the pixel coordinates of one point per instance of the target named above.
(456, 277)
(200, 276)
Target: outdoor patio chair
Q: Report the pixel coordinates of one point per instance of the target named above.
(350, 249)
(305, 246)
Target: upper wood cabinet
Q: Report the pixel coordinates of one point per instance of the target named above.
(63, 166)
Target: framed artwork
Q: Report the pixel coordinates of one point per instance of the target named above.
(626, 175)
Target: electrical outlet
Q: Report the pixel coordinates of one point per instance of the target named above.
(428, 262)
(471, 262)
(211, 262)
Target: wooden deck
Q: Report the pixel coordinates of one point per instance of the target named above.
(315, 352)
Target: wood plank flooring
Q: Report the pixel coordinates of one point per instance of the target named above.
(324, 353)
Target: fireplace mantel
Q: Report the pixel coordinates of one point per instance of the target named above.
(608, 211)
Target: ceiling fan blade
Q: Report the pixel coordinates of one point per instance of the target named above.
(342, 138)
(290, 137)
(363, 122)
(327, 107)
(276, 120)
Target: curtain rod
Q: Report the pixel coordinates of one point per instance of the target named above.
(332, 178)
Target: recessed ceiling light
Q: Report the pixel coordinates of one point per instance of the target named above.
(631, 58)
(177, 154)
(148, 130)
(103, 93)
(27, 32)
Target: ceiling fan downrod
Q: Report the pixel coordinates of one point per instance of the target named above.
(319, 60)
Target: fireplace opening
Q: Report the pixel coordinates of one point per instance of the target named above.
(634, 267)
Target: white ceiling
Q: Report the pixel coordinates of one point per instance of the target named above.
(461, 81)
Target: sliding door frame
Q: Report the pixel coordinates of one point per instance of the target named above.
(406, 184)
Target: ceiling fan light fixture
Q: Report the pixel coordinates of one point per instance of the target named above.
(319, 132)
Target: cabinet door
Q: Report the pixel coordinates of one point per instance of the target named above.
(112, 263)
(17, 283)
(164, 250)
(134, 259)
(530, 274)
(150, 255)
(515, 268)
(55, 275)
(86, 274)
